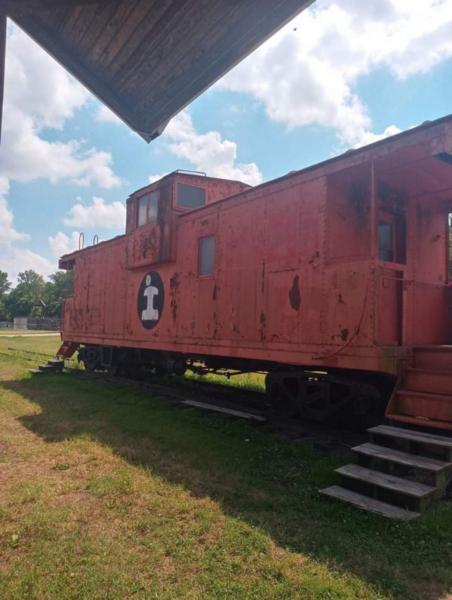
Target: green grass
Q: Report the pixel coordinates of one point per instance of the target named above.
(108, 493)
(25, 332)
(42, 349)
(45, 344)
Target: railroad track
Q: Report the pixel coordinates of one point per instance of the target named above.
(229, 402)
(237, 403)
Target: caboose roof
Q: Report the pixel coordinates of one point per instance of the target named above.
(177, 174)
(421, 156)
(147, 59)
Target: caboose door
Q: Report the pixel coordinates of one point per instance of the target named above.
(391, 251)
(390, 302)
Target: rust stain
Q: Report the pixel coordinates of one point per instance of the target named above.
(263, 326)
(294, 294)
(214, 295)
(312, 261)
(174, 281)
(344, 335)
(174, 309)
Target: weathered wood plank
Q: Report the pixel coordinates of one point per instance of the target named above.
(73, 27)
(413, 436)
(119, 23)
(129, 35)
(156, 35)
(178, 36)
(94, 20)
(368, 504)
(26, 7)
(226, 411)
(389, 482)
(402, 458)
(79, 70)
(202, 67)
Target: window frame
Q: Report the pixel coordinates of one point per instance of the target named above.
(200, 240)
(148, 195)
(398, 222)
(386, 220)
(179, 183)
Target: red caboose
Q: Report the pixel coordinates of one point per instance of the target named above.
(333, 279)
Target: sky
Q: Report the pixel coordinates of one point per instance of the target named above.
(342, 74)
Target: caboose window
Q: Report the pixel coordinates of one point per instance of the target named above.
(385, 241)
(189, 196)
(148, 208)
(207, 256)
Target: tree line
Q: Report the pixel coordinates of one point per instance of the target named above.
(32, 296)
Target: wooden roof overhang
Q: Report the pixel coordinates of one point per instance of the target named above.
(147, 59)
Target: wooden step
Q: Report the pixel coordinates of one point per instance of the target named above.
(411, 495)
(402, 464)
(36, 372)
(435, 358)
(47, 368)
(57, 365)
(422, 404)
(419, 422)
(368, 504)
(427, 380)
(415, 442)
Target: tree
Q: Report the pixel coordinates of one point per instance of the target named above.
(56, 290)
(5, 286)
(25, 299)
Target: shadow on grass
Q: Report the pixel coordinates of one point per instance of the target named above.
(270, 484)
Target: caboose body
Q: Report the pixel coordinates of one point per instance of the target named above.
(334, 280)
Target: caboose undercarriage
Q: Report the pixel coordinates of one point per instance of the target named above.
(347, 397)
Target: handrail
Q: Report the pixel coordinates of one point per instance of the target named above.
(191, 172)
(414, 281)
(81, 241)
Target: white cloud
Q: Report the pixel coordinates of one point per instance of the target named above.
(62, 244)
(7, 232)
(16, 260)
(154, 178)
(104, 115)
(98, 214)
(306, 73)
(207, 152)
(39, 94)
(364, 138)
(13, 258)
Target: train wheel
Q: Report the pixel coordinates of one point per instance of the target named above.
(281, 394)
(114, 369)
(91, 359)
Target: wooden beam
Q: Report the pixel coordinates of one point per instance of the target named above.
(2, 63)
(25, 7)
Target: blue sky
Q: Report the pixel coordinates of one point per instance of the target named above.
(343, 74)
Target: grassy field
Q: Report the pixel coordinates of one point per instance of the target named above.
(107, 493)
(17, 332)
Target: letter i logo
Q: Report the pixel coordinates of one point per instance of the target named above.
(150, 301)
